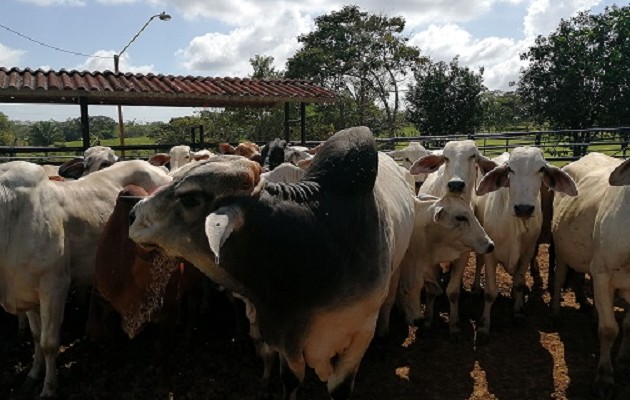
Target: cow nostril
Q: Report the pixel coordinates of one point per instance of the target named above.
(456, 186)
(132, 217)
(523, 210)
(490, 248)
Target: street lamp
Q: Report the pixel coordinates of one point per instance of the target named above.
(163, 17)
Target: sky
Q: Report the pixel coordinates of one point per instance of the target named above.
(217, 38)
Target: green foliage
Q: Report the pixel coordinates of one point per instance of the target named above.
(45, 133)
(503, 111)
(446, 99)
(363, 56)
(7, 136)
(578, 75)
(263, 67)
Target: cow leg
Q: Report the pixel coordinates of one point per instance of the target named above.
(534, 268)
(51, 308)
(490, 295)
(410, 285)
(607, 331)
(382, 325)
(479, 261)
(268, 356)
(432, 290)
(452, 291)
(346, 364)
(35, 324)
(22, 325)
(292, 375)
(623, 357)
(519, 286)
(560, 277)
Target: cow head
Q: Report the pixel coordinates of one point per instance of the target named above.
(458, 227)
(179, 156)
(459, 160)
(97, 158)
(523, 173)
(172, 219)
(273, 154)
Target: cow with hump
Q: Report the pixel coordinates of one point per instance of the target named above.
(318, 311)
(48, 241)
(591, 233)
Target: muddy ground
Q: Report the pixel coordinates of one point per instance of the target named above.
(538, 361)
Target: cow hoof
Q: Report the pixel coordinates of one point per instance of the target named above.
(519, 320)
(604, 390)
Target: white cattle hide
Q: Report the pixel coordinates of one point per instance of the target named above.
(49, 240)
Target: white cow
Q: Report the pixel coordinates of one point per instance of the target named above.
(179, 156)
(97, 158)
(285, 172)
(512, 217)
(48, 242)
(454, 170)
(407, 156)
(591, 233)
(444, 229)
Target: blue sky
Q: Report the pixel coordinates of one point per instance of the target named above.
(217, 38)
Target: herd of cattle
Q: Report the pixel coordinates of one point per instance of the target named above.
(319, 243)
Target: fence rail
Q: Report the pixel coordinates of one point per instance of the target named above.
(558, 145)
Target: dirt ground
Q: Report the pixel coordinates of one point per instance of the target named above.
(538, 361)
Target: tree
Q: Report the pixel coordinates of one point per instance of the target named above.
(445, 99)
(363, 56)
(503, 111)
(7, 136)
(45, 133)
(578, 76)
(263, 67)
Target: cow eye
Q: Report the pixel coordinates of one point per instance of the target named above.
(509, 170)
(446, 159)
(473, 156)
(461, 218)
(542, 169)
(105, 164)
(189, 200)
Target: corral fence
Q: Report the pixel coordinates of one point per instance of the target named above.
(559, 146)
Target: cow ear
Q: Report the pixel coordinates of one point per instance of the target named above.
(620, 175)
(437, 213)
(159, 159)
(485, 164)
(427, 164)
(558, 180)
(220, 225)
(493, 180)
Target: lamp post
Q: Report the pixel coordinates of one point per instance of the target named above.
(163, 17)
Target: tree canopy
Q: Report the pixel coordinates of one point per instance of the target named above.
(446, 99)
(363, 56)
(578, 75)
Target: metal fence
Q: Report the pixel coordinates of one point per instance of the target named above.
(558, 145)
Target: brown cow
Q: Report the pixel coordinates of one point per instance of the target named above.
(140, 285)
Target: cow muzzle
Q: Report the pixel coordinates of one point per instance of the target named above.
(456, 186)
(524, 210)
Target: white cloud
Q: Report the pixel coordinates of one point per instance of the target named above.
(500, 57)
(45, 3)
(228, 54)
(543, 16)
(10, 57)
(104, 60)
